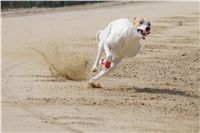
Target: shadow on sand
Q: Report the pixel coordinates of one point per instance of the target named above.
(164, 91)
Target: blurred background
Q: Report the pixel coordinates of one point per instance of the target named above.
(48, 4)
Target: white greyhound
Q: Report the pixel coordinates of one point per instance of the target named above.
(120, 39)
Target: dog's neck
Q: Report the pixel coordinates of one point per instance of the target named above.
(137, 36)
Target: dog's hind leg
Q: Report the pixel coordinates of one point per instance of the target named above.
(99, 54)
(98, 36)
(100, 43)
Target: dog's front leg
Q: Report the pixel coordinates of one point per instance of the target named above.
(104, 70)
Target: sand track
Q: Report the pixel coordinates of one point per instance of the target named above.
(157, 91)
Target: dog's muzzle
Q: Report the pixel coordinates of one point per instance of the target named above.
(144, 32)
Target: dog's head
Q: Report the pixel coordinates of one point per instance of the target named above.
(143, 26)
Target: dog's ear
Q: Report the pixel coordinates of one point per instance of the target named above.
(134, 19)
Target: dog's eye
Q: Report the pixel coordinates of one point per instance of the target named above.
(141, 22)
(149, 24)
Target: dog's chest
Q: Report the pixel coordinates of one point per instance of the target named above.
(131, 48)
(127, 49)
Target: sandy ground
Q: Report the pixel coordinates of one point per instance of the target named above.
(156, 91)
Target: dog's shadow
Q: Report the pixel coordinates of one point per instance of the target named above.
(164, 91)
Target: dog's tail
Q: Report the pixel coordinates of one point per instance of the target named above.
(97, 35)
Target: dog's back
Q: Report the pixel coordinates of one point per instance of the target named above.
(114, 31)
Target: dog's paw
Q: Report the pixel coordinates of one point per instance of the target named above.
(93, 85)
(94, 69)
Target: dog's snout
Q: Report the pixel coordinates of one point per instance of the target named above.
(148, 28)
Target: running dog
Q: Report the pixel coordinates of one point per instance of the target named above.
(120, 39)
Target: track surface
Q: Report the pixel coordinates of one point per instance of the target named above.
(156, 91)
